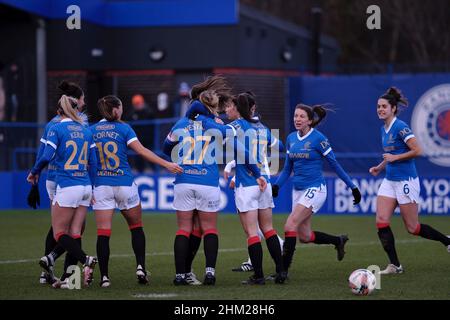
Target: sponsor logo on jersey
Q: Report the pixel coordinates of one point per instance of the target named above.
(73, 127)
(105, 127)
(431, 124)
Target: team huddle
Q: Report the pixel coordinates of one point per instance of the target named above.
(88, 166)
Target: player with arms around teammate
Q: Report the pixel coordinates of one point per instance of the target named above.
(401, 184)
(198, 187)
(71, 145)
(307, 148)
(114, 184)
(254, 206)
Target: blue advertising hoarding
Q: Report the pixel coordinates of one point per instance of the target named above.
(156, 192)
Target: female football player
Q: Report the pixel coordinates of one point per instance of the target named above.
(307, 148)
(71, 145)
(198, 187)
(52, 251)
(254, 206)
(114, 184)
(401, 184)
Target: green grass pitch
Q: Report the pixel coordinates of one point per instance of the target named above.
(316, 274)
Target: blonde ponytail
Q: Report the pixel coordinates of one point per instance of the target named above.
(68, 106)
(211, 100)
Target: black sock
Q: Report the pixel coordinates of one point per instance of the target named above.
(181, 248)
(70, 259)
(324, 238)
(275, 252)
(211, 247)
(388, 242)
(288, 251)
(256, 256)
(194, 244)
(429, 232)
(50, 242)
(72, 246)
(138, 243)
(57, 252)
(103, 254)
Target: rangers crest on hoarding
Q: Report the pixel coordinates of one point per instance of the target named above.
(431, 124)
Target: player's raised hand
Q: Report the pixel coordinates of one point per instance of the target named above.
(262, 183)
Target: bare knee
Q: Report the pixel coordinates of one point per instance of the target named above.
(413, 229)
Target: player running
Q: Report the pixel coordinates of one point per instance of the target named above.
(114, 184)
(307, 148)
(71, 145)
(401, 184)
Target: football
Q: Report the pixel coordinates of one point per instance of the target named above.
(362, 282)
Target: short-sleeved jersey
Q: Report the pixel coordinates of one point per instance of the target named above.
(51, 168)
(72, 143)
(307, 154)
(111, 140)
(195, 153)
(256, 138)
(394, 142)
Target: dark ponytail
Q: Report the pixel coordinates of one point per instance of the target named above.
(244, 107)
(395, 98)
(318, 110)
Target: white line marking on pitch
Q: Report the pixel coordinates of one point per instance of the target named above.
(303, 246)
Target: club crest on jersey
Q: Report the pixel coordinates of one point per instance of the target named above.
(391, 139)
(431, 124)
(307, 145)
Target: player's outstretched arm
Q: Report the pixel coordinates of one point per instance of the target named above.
(197, 108)
(284, 175)
(150, 156)
(344, 176)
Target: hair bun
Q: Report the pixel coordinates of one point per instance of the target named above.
(393, 91)
(64, 85)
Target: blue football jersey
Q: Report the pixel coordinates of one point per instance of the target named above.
(256, 138)
(195, 153)
(111, 140)
(394, 142)
(51, 168)
(73, 144)
(307, 156)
